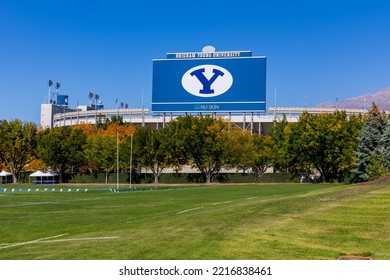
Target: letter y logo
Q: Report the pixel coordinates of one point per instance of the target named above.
(207, 80)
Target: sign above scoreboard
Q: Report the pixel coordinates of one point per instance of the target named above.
(209, 52)
(192, 55)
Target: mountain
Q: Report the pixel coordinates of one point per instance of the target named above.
(381, 99)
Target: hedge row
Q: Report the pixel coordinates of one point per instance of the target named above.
(183, 178)
(179, 178)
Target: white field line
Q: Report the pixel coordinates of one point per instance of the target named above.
(84, 199)
(164, 216)
(17, 204)
(36, 203)
(33, 241)
(189, 210)
(219, 203)
(81, 239)
(184, 211)
(146, 219)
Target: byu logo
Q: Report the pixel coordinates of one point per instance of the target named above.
(207, 80)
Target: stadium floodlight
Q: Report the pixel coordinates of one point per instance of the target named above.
(93, 96)
(57, 87)
(90, 96)
(49, 84)
(124, 105)
(96, 98)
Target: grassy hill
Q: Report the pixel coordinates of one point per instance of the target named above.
(278, 221)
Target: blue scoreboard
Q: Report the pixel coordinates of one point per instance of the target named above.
(209, 81)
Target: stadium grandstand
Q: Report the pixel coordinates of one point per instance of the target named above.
(53, 115)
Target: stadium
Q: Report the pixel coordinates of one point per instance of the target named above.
(228, 84)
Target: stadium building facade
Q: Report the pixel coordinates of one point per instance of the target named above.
(227, 84)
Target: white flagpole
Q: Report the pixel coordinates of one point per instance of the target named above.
(117, 161)
(131, 158)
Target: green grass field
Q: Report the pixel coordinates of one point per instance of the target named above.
(286, 221)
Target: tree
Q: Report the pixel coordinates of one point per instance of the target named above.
(17, 145)
(150, 150)
(205, 141)
(101, 153)
(325, 142)
(279, 134)
(263, 153)
(101, 150)
(376, 167)
(368, 140)
(241, 150)
(295, 159)
(62, 148)
(383, 149)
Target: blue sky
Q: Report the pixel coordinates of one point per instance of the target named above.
(321, 50)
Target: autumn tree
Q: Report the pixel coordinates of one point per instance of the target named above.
(102, 147)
